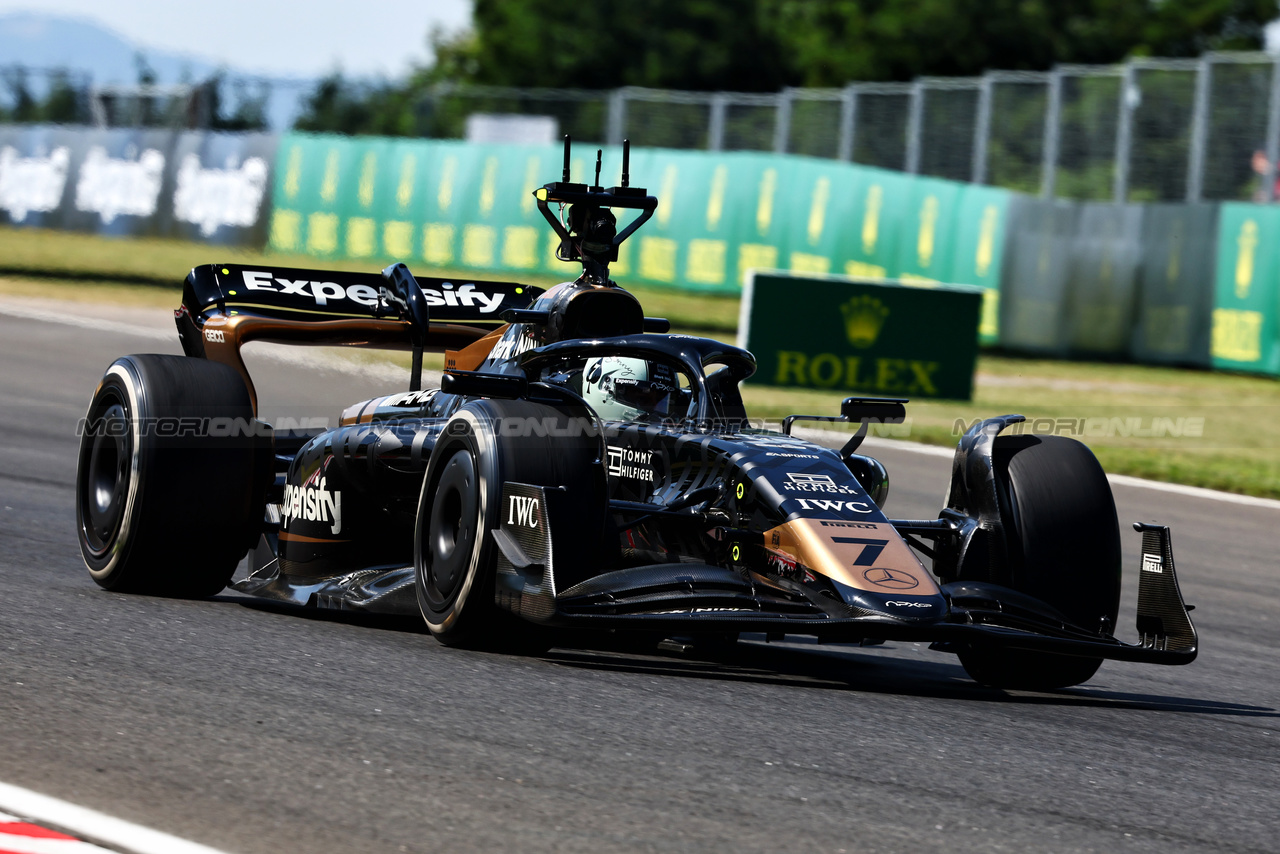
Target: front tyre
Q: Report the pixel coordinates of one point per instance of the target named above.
(1064, 549)
(482, 447)
(165, 478)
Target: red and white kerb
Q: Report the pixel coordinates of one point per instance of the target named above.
(20, 837)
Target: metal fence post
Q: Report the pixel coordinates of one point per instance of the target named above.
(1124, 131)
(1199, 130)
(982, 130)
(1273, 132)
(616, 122)
(848, 122)
(1052, 131)
(715, 132)
(782, 120)
(97, 111)
(915, 121)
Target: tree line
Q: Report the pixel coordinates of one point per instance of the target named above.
(765, 45)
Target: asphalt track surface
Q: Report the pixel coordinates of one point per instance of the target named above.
(257, 729)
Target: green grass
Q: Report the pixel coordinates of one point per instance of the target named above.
(1238, 448)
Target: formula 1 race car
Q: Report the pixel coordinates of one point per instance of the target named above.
(579, 467)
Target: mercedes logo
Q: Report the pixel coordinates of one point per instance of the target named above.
(892, 578)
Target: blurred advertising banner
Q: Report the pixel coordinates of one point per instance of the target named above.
(1105, 252)
(1106, 281)
(37, 180)
(1175, 288)
(195, 185)
(1036, 276)
(883, 337)
(1246, 329)
(221, 187)
(465, 205)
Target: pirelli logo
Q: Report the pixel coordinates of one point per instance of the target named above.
(1152, 563)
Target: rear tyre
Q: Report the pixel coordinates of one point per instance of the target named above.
(455, 556)
(165, 498)
(1064, 549)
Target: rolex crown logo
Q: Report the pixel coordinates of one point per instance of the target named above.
(863, 318)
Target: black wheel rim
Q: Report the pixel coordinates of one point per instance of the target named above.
(451, 535)
(106, 471)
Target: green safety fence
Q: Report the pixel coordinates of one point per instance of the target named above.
(455, 204)
(1246, 329)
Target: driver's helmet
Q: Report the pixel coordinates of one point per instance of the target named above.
(625, 389)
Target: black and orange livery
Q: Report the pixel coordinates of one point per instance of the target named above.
(510, 501)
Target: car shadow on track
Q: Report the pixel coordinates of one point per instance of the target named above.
(847, 668)
(802, 664)
(390, 622)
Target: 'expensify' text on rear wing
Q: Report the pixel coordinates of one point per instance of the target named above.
(227, 305)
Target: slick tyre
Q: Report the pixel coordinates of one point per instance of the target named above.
(455, 556)
(1064, 549)
(165, 477)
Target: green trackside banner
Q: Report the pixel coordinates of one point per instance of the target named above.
(838, 332)
(1175, 284)
(1102, 285)
(453, 204)
(1246, 330)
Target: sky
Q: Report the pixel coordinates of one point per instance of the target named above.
(275, 37)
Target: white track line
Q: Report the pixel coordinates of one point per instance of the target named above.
(92, 824)
(303, 357)
(832, 437)
(913, 447)
(102, 325)
(1193, 491)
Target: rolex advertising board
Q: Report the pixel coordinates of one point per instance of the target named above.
(1246, 329)
(880, 337)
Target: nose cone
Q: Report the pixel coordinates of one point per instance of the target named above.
(909, 605)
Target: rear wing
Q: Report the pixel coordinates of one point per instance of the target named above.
(227, 305)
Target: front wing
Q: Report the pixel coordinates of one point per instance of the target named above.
(698, 597)
(685, 598)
